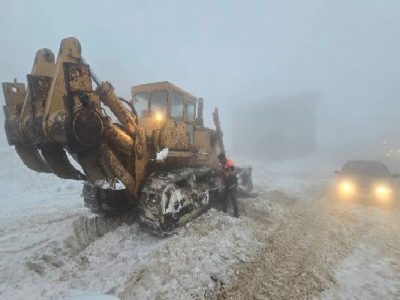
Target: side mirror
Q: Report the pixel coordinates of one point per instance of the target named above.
(396, 175)
(336, 172)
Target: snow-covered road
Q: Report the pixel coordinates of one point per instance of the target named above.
(290, 242)
(372, 268)
(325, 250)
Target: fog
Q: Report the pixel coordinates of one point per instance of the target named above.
(235, 53)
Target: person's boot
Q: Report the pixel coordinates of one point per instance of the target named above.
(224, 209)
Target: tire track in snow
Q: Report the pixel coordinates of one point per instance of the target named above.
(299, 257)
(372, 271)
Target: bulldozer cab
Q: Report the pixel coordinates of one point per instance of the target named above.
(156, 102)
(172, 118)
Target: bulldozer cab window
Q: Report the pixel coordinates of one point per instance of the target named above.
(190, 129)
(141, 104)
(158, 102)
(177, 106)
(190, 112)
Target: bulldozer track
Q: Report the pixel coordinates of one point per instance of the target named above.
(171, 198)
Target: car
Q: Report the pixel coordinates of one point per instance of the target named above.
(366, 180)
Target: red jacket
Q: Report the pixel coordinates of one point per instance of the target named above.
(228, 173)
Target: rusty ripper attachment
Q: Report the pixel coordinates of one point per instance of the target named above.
(60, 111)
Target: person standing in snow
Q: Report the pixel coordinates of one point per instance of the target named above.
(229, 178)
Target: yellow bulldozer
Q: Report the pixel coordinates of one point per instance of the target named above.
(152, 153)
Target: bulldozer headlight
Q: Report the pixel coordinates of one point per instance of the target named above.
(158, 116)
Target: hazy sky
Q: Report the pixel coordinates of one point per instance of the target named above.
(229, 51)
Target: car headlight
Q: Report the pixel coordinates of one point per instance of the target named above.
(346, 188)
(382, 191)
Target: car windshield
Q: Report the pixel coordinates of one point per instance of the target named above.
(366, 168)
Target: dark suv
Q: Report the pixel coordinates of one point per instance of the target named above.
(364, 179)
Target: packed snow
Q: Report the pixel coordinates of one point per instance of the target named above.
(162, 155)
